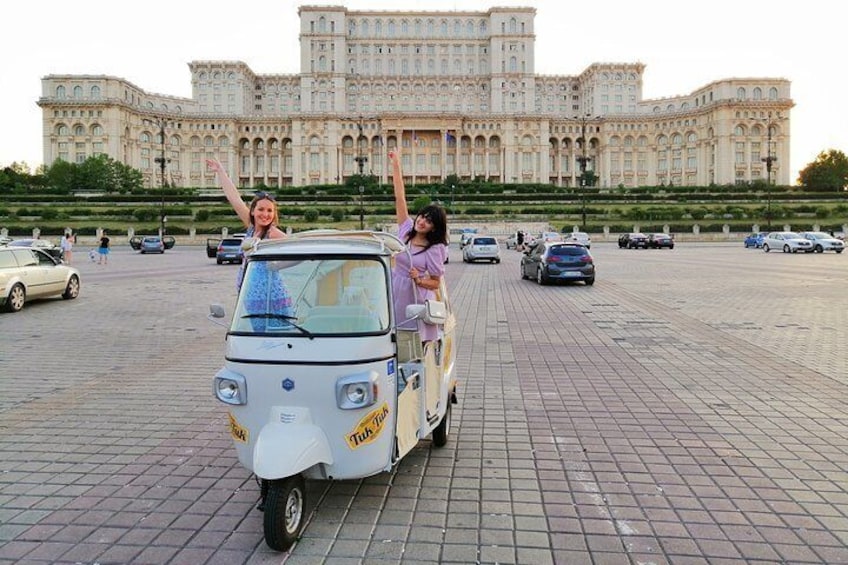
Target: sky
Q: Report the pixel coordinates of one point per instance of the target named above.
(683, 47)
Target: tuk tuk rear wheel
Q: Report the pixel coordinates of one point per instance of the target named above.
(284, 511)
(440, 432)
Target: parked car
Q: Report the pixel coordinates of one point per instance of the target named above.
(550, 261)
(755, 240)
(633, 240)
(465, 236)
(823, 241)
(152, 244)
(660, 240)
(229, 251)
(137, 242)
(550, 236)
(786, 241)
(27, 273)
(580, 237)
(512, 241)
(44, 245)
(482, 248)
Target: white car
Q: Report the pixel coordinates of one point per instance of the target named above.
(482, 248)
(580, 237)
(823, 241)
(27, 274)
(786, 241)
(551, 236)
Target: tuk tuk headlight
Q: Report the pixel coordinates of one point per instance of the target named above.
(230, 388)
(357, 391)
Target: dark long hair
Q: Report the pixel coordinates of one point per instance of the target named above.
(437, 216)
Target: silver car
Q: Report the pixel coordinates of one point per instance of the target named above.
(482, 248)
(786, 241)
(823, 241)
(26, 274)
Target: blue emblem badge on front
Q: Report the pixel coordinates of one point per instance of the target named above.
(288, 384)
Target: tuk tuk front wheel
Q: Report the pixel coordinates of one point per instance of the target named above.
(440, 432)
(284, 512)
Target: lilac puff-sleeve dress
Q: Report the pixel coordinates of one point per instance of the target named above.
(431, 261)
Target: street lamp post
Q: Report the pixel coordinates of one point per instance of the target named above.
(769, 160)
(583, 159)
(360, 158)
(162, 162)
(361, 208)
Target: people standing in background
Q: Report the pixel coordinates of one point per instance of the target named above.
(103, 250)
(67, 246)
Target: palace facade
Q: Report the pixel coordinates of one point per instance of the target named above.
(457, 91)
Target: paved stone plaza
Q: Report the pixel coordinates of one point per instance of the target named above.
(690, 407)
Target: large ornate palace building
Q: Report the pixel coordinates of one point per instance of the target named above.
(456, 90)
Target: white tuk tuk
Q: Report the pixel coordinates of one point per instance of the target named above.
(320, 381)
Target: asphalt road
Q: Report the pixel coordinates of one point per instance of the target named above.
(690, 407)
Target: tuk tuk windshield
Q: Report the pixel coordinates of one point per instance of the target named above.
(323, 296)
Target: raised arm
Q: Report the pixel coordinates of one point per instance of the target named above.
(401, 210)
(230, 191)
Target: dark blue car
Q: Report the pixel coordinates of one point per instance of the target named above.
(755, 240)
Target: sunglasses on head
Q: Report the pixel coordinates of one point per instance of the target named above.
(262, 194)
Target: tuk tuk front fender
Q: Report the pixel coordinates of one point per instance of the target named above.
(283, 450)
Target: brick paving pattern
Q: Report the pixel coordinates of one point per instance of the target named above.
(690, 407)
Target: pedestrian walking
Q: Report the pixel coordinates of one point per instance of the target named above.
(67, 246)
(103, 250)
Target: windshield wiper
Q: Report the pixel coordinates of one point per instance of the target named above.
(289, 319)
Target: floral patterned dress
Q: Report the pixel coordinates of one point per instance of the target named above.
(264, 293)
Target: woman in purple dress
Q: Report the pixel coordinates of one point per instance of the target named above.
(426, 238)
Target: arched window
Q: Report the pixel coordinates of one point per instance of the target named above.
(62, 130)
(677, 139)
(77, 91)
(772, 93)
(95, 92)
(97, 129)
(209, 141)
(739, 131)
(740, 93)
(758, 93)
(79, 130)
(144, 137)
(60, 92)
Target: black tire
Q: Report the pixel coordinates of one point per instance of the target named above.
(17, 298)
(590, 282)
(72, 290)
(285, 509)
(540, 277)
(786, 248)
(766, 247)
(838, 250)
(819, 248)
(441, 432)
(220, 261)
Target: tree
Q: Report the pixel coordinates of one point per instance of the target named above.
(829, 172)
